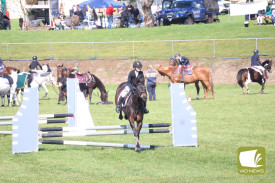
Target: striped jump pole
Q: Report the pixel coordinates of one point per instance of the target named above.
(100, 144)
(42, 116)
(40, 122)
(92, 133)
(5, 132)
(103, 127)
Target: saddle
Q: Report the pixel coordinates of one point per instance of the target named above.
(85, 78)
(185, 70)
(257, 70)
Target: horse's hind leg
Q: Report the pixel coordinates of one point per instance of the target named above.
(46, 89)
(262, 83)
(198, 89)
(205, 90)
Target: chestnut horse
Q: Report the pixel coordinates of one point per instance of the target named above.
(134, 106)
(200, 74)
(247, 75)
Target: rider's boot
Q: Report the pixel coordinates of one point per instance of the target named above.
(265, 75)
(145, 110)
(29, 80)
(119, 104)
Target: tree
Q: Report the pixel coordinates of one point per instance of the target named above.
(148, 17)
(24, 10)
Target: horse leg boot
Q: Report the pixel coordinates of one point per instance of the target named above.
(145, 110)
(119, 104)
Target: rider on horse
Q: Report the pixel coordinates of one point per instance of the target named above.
(183, 62)
(2, 66)
(33, 69)
(255, 62)
(129, 85)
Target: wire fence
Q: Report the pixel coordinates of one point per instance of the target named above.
(147, 50)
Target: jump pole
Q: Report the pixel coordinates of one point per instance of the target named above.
(42, 116)
(40, 122)
(103, 127)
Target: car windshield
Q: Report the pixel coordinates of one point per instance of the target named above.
(181, 4)
(166, 4)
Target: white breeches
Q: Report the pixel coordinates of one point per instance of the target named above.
(125, 91)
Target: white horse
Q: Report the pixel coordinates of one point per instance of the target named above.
(40, 78)
(5, 85)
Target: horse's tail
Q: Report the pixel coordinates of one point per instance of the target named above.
(240, 77)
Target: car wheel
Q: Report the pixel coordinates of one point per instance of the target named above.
(166, 22)
(188, 21)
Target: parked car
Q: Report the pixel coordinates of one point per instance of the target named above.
(188, 11)
(224, 6)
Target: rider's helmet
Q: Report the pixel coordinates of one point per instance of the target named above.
(177, 55)
(137, 64)
(76, 68)
(256, 51)
(34, 58)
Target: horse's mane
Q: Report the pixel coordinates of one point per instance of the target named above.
(266, 62)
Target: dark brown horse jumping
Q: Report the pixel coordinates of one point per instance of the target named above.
(247, 75)
(200, 74)
(134, 106)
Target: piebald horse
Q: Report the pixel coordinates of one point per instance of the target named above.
(40, 78)
(200, 74)
(6, 86)
(134, 106)
(247, 75)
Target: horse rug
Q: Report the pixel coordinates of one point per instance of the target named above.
(21, 79)
(185, 70)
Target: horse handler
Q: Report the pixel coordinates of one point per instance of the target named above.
(129, 86)
(255, 62)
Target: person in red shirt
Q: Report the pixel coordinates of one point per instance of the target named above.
(109, 11)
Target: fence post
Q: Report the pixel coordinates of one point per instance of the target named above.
(133, 49)
(214, 49)
(172, 48)
(8, 51)
(51, 51)
(256, 43)
(93, 50)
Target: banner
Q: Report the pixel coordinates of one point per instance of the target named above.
(248, 8)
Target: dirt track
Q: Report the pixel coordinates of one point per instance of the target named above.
(116, 71)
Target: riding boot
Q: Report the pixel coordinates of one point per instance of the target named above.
(29, 80)
(265, 75)
(119, 104)
(145, 110)
(3, 101)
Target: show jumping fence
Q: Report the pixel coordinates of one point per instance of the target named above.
(147, 50)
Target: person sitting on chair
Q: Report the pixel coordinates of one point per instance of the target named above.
(129, 86)
(183, 62)
(255, 62)
(33, 69)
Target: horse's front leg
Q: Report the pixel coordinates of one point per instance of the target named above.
(90, 96)
(262, 83)
(139, 126)
(46, 89)
(198, 89)
(135, 132)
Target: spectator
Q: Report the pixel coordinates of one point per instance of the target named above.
(84, 11)
(57, 23)
(260, 17)
(110, 10)
(136, 14)
(79, 14)
(74, 9)
(92, 14)
(130, 9)
(151, 78)
(273, 14)
(268, 14)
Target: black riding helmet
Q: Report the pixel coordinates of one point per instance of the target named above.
(137, 64)
(256, 51)
(34, 58)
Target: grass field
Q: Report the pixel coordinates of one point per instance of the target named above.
(230, 121)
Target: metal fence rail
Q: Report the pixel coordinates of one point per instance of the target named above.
(193, 49)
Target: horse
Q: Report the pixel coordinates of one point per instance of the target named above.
(39, 78)
(87, 83)
(8, 83)
(62, 75)
(134, 106)
(247, 75)
(200, 74)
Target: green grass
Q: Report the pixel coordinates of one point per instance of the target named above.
(227, 29)
(230, 121)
